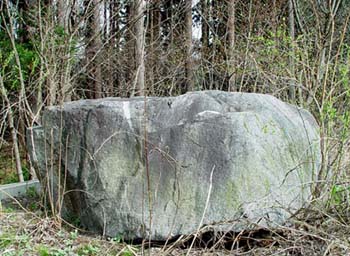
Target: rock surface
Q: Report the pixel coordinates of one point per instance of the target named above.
(226, 161)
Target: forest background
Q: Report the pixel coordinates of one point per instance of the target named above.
(54, 51)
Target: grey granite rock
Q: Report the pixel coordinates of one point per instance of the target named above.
(232, 160)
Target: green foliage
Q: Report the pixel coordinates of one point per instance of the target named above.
(60, 252)
(74, 234)
(83, 250)
(33, 206)
(339, 195)
(118, 239)
(43, 251)
(28, 57)
(73, 219)
(270, 53)
(329, 112)
(88, 249)
(127, 252)
(59, 31)
(12, 253)
(8, 178)
(12, 177)
(31, 192)
(5, 241)
(8, 239)
(273, 44)
(26, 172)
(336, 112)
(7, 168)
(8, 210)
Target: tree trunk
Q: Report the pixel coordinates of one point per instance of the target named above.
(205, 29)
(188, 46)
(231, 43)
(154, 43)
(12, 129)
(129, 51)
(63, 8)
(139, 48)
(61, 13)
(292, 55)
(94, 44)
(114, 7)
(97, 45)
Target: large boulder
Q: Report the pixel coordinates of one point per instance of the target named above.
(230, 161)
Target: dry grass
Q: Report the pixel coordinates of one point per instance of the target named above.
(24, 232)
(312, 232)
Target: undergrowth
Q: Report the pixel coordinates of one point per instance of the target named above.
(25, 232)
(8, 172)
(313, 231)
